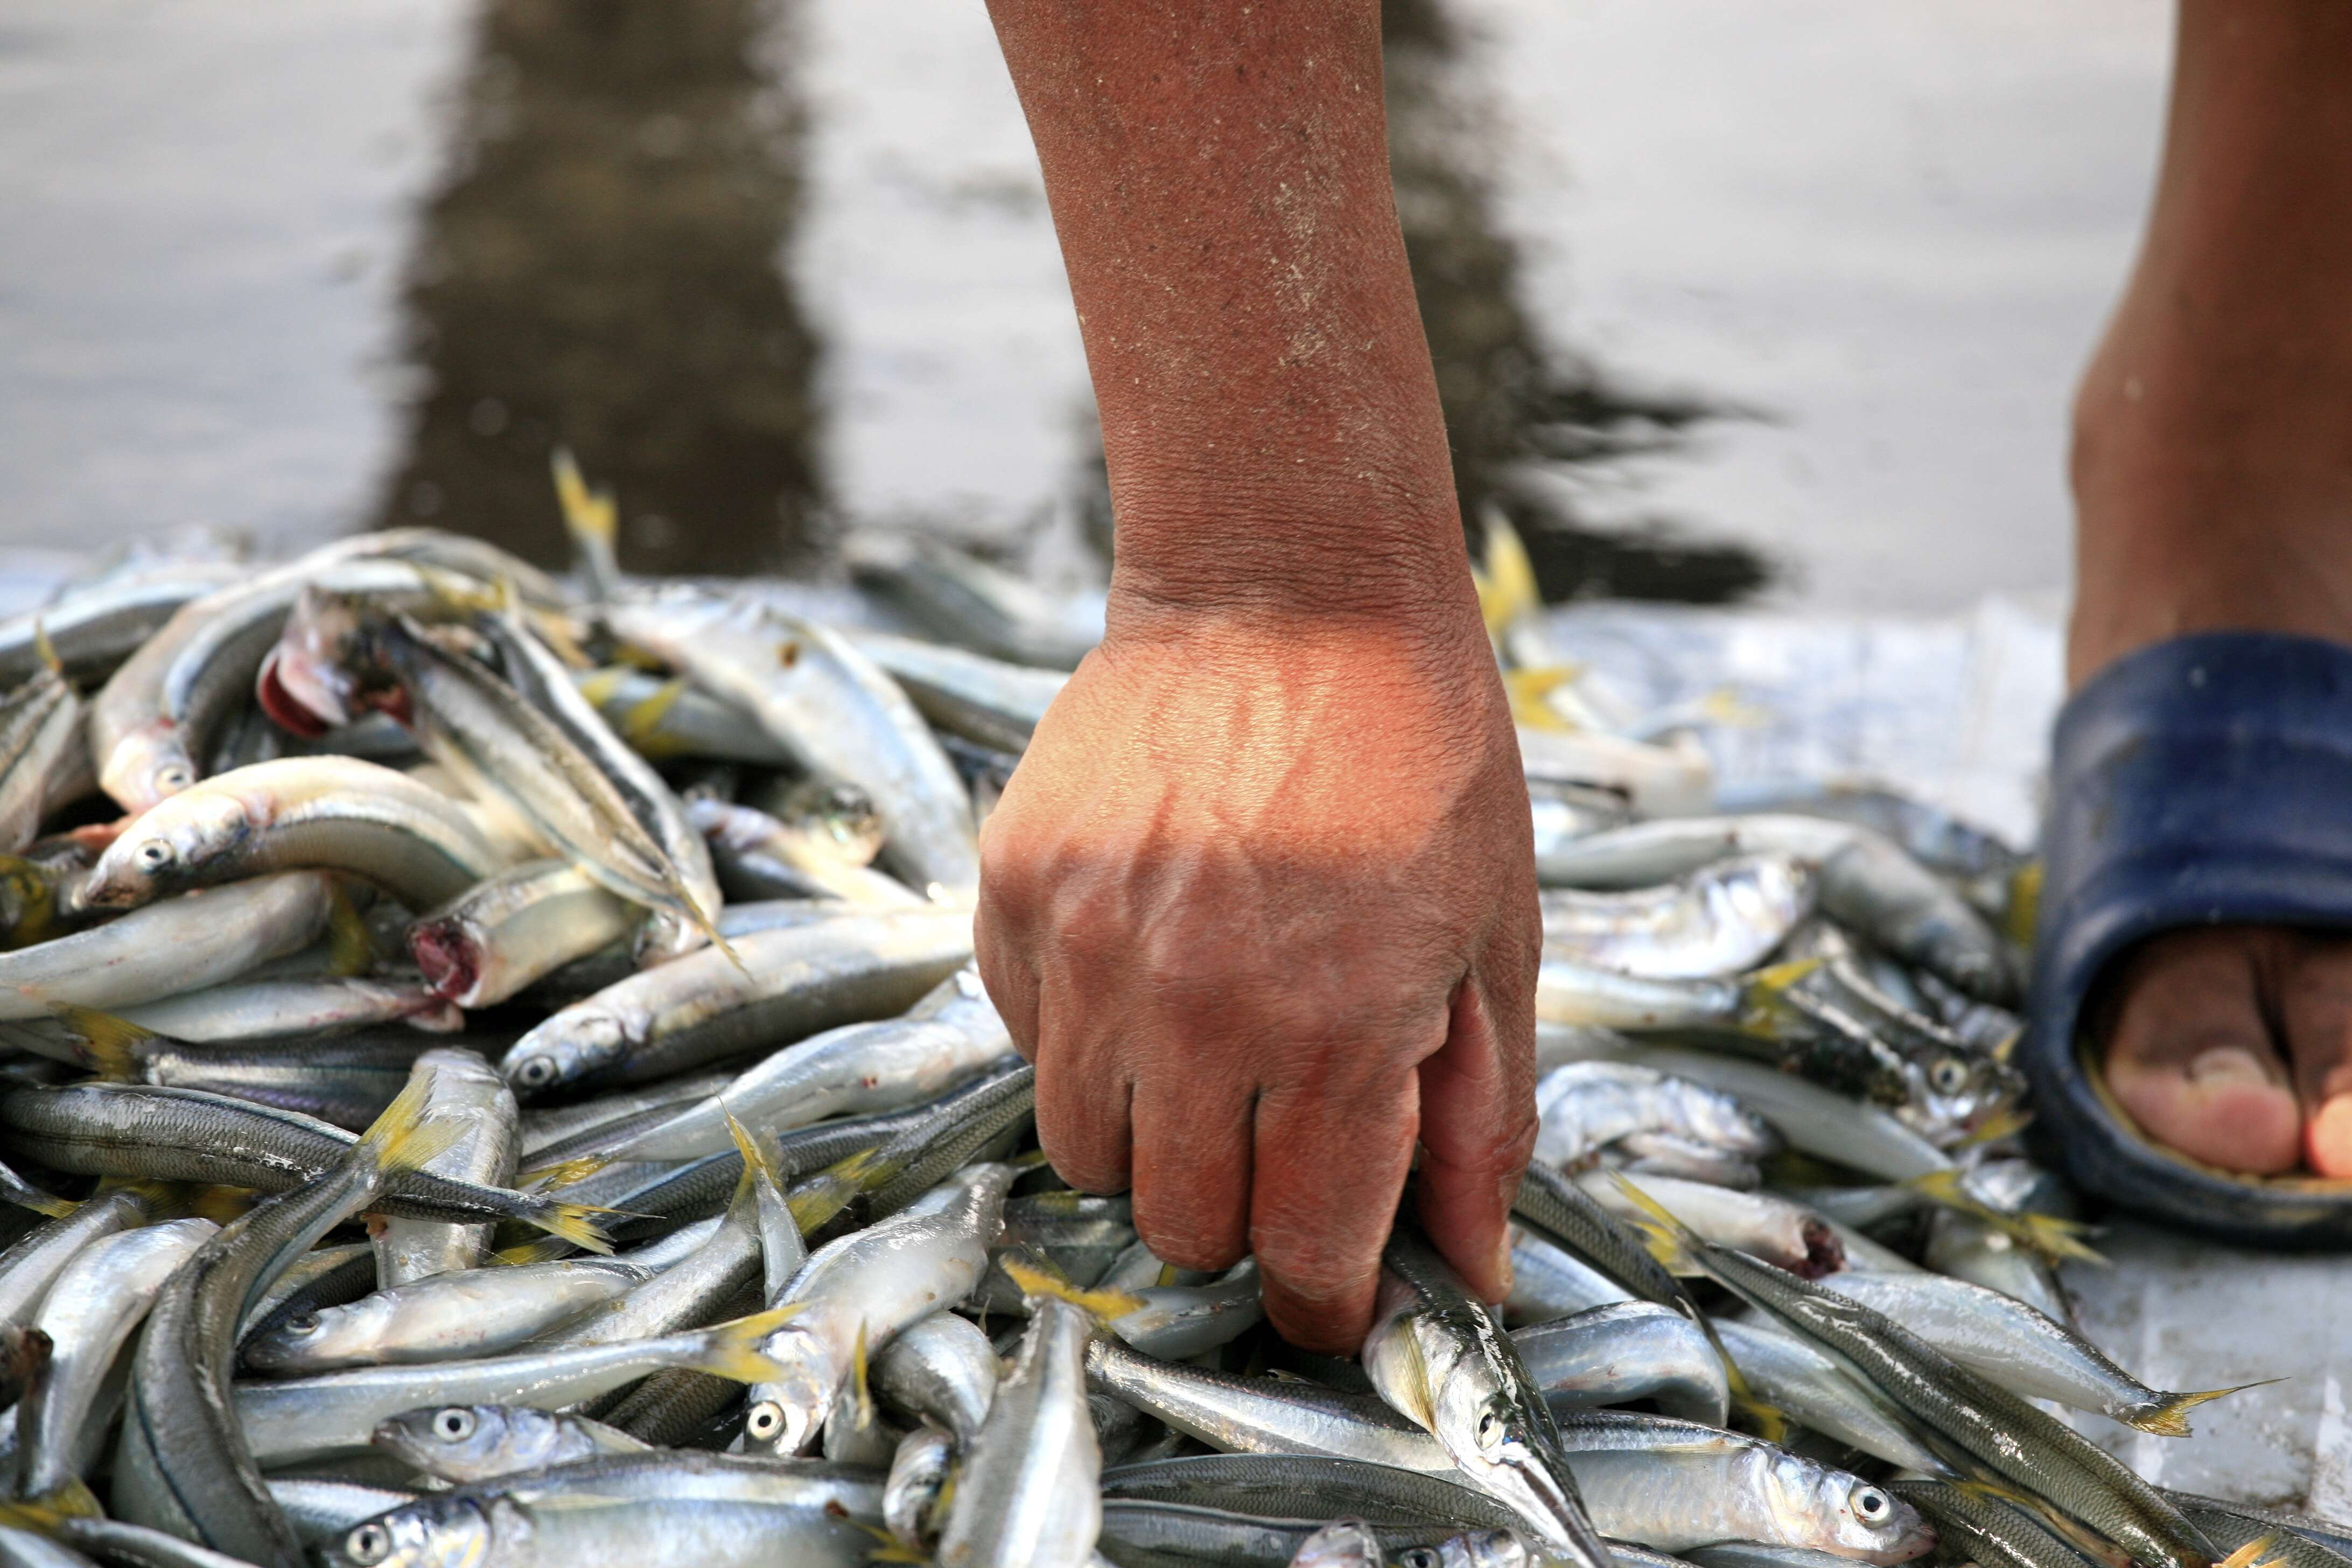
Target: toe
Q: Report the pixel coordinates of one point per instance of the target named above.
(2189, 1055)
(2316, 1005)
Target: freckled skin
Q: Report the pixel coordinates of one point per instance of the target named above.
(1259, 901)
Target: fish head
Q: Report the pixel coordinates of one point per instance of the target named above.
(150, 763)
(459, 1441)
(1342, 1544)
(432, 1533)
(1952, 1092)
(1496, 1443)
(1866, 1522)
(792, 1405)
(840, 817)
(323, 1339)
(310, 681)
(167, 847)
(570, 1046)
(1471, 1548)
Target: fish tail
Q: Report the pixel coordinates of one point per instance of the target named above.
(105, 1044)
(2024, 903)
(1674, 1244)
(1529, 691)
(159, 1198)
(1506, 586)
(350, 949)
(759, 1159)
(709, 928)
(590, 517)
(2251, 1553)
(638, 724)
(69, 1499)
(2006, 1123)
(2168, 1417)
(2052, 1236)
(573, 1223)
(888, 1547)
(36, 895)
(602, 686)
(546, 1249)
(562, 1174)
(1771, 1423)
(1763, 996)
(404, 1137)
(24, 1195)
(46, 651)
(731, 1350)
(1038, 1277)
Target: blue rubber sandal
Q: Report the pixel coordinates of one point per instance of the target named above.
(2204, 780)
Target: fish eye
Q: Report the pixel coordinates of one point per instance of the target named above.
(173, 775)
(153, 855)
(767, 1419)
(1490, 1430)
(1948, 1076)
(535, 1072)
(1420, 1557)
(454, 1424)
(303, 1324)
(1870, 1505)
(370, 1542)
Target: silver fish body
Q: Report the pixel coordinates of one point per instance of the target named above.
(466, 1443)
(1632, 1350)
(989, 700)
(1722, 919)
(1028, 1494)
(877, 1280)
(507, 1531)
(940, 1369)
(1586, 1107)
(41, 750)
(842, 716)
(1177, 1321)
(177, 944)
(271, 1008)
(465, 1089)
(950, 1036)
(1814, 1389)
(791, 982)
(443, 1316)
(335, 813)
(918, 1472)
(1263, 1415)
(825, 855)
(500, 934)
(34, 1263)
(90, 1313)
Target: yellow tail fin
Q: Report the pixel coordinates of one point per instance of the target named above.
(546, 1249)
(602, 686)
(1763, 1007)
(2251, 1553)
(1674, 1245)
(1507, 587)
(759, 1159)
(350, 949)
(575, 1223)
(560, 1175)
(731, 1350)
(108, 1046)
(639, 725)
(2169, 1416)
(1037, 1277)
(588, 516)
(1530, 690)
(404, 1137)
(2048, 1235)
(857, 1380)
(46, 651)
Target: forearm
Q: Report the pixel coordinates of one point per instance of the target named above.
(1219, 179)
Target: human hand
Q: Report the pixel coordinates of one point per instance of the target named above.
(1260, 904)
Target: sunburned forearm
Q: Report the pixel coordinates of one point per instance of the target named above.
(1219, 179)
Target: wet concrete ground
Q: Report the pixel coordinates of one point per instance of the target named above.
(773, 266)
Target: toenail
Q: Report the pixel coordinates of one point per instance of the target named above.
(2226, 1065)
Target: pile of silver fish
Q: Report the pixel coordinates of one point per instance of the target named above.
(493, 1076)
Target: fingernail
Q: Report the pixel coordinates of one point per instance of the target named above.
(2225, 1064)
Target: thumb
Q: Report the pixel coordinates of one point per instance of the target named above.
(1477, 1128)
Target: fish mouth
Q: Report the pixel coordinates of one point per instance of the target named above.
(294, 700)
(1549, 1504)
(449, 959)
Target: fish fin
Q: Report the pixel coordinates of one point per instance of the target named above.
(1771, 1423)
(890, 1547)
(349, 949)
(1167, 1272)
(857, 1380)
(404, 1136)
(2049, 1234)
(638, 724)
(601, 686)
(1507, 587)
(562, 1174)
(2025, 902)
(2168, 1417)
(546, 1249)
(44, 1514)
(759, 1159)
(2251, 1553)
(1529, 691)
(2006, 1123)
(160, 1197)
(46, 651)
(709, 928)
(48, 1205)
(1674, 1244)
(1031, 1160)
(1763, 994)
(572, 1223)
(829, 1192)
(590, 517)
(37, 890)
(70, 1498)
(108, 1045)
(731, 1350)
(1038, 1277)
